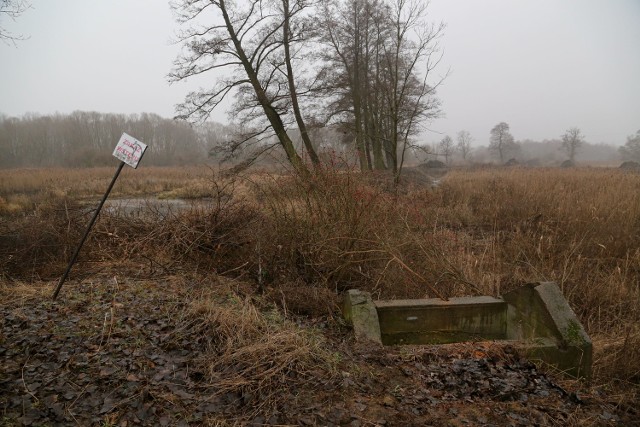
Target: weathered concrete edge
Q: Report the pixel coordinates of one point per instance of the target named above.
(569, 327)
(573, 350)
(359, 310)
(437, 302)
(574, 343)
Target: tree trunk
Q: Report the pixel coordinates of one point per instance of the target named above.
(357, 101)
(292, 89)
(272, 115)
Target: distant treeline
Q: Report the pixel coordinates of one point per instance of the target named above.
(83, 139)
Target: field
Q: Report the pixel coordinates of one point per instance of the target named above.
(223, 310)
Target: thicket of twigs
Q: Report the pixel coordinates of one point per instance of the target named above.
(298, 241)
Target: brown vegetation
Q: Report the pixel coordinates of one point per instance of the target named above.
(302, 242)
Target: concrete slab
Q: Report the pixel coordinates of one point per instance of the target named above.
(536, 317)
(434, 321)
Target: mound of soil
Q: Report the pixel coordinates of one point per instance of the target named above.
(120, 355)
(432, 164)
(420, 177)
(630, 166)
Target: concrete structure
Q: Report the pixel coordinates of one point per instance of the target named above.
(535, 317)
(359, 310)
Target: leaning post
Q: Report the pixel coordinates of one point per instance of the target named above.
(129, 151)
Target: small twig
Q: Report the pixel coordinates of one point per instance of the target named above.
(104, 326)
(260, 270)
(284, 303)
(24, 383)
(110, 314)
(166, 268)
(234, 269)
(431, 288)
(76, 399)
(74, 417)
(375, 287)
(112, 309)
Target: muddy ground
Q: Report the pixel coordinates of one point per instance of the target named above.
(114, 351)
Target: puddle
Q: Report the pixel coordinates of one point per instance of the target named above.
(148, 206)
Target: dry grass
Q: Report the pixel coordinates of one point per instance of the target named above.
(20, 292)
(481, 232)
(251, 352)
(579, 228)
(38, 237)
(22, 189)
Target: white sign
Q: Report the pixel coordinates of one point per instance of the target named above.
(129, 150)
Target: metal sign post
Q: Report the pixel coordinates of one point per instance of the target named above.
(129, 151)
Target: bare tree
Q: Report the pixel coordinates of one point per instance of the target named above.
(83, 138)
(501, 141)
(344, 30)
(446, 148)
(572, 140)
(463, 145)
(631, 149)
(11, 9)
(381, 58)
(291, 34)
(413, 54)
(252, 41)
(425, 152)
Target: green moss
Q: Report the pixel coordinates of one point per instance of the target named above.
(573, 333)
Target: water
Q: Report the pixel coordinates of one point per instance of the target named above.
(138, 207)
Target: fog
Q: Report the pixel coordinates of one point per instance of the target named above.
(542, 66)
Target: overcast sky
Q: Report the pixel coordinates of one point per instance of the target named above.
(542, 66)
